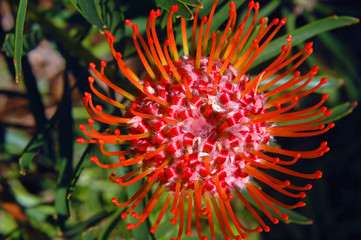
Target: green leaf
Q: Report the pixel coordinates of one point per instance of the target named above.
(80, 228)
(269, 8)
(340, 111)
(30, 152)
(194, 3)
(183, 10)
(293, 216)
(89, 10)
(304, 33)
(22, 196)
(76, 174)
(114, 219)
(18, 38)
(331, 84)
(65, 133)
(10, 225)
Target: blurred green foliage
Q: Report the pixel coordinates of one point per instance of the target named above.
(48, 188)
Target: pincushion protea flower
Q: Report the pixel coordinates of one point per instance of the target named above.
(199, 128)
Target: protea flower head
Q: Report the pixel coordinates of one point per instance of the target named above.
(200, 128)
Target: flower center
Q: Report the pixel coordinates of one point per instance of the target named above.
(206, 132)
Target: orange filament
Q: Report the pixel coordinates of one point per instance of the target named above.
(261, 176)
(249, 63)
(211, 55)
(282, 118)
(103, 97)
(242, 24)
(237, 224)
(219, 217)
(150, 205)
(170, 62)
(135, 204)
(149, 155)
(145, 188)
(208, 29)
(141, 55)
(259, 194)
(297, 205)
(199, 47)
(266, 116)
(301, 114)
(176, 194)
(110, 118)
(157, 61)
(186, 87)
(251, 192)
(170, 33)
(246, 36)
(304, 154)
(184, 37)
(120, 121)
(179, 207)
(225, 217)
(194, 30)
(224, 35)
(236, 39)
(253, 162)
(134, 180)
(198, 198)
(139, 114)
(189, 214)
(159, 169)
(302, 134)
(119, 164)
(210, 218)
(130, 75)
(129, 175)
(145, 46)
(198, 222)
(284, 98)
(251, 209)
(110, 84)
(116, 153)
(155, 38)
(284, 64)
(228, 56)
(219, 189)
(161, 214)
(181, 221)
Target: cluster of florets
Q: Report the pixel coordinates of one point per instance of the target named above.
(206, 127)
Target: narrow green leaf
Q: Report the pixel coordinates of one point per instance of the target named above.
(293, 216)
(18, 39)
(332, 83)
(65, 133)
(80, 228)
(114, 220)
(340, 111)
(31, 150)
(304, 33)
(21, 194)
(183, 10)
(90, 12)
(269, 8)
(194, 3)
(76, 174)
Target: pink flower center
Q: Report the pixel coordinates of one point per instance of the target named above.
(206, 129)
